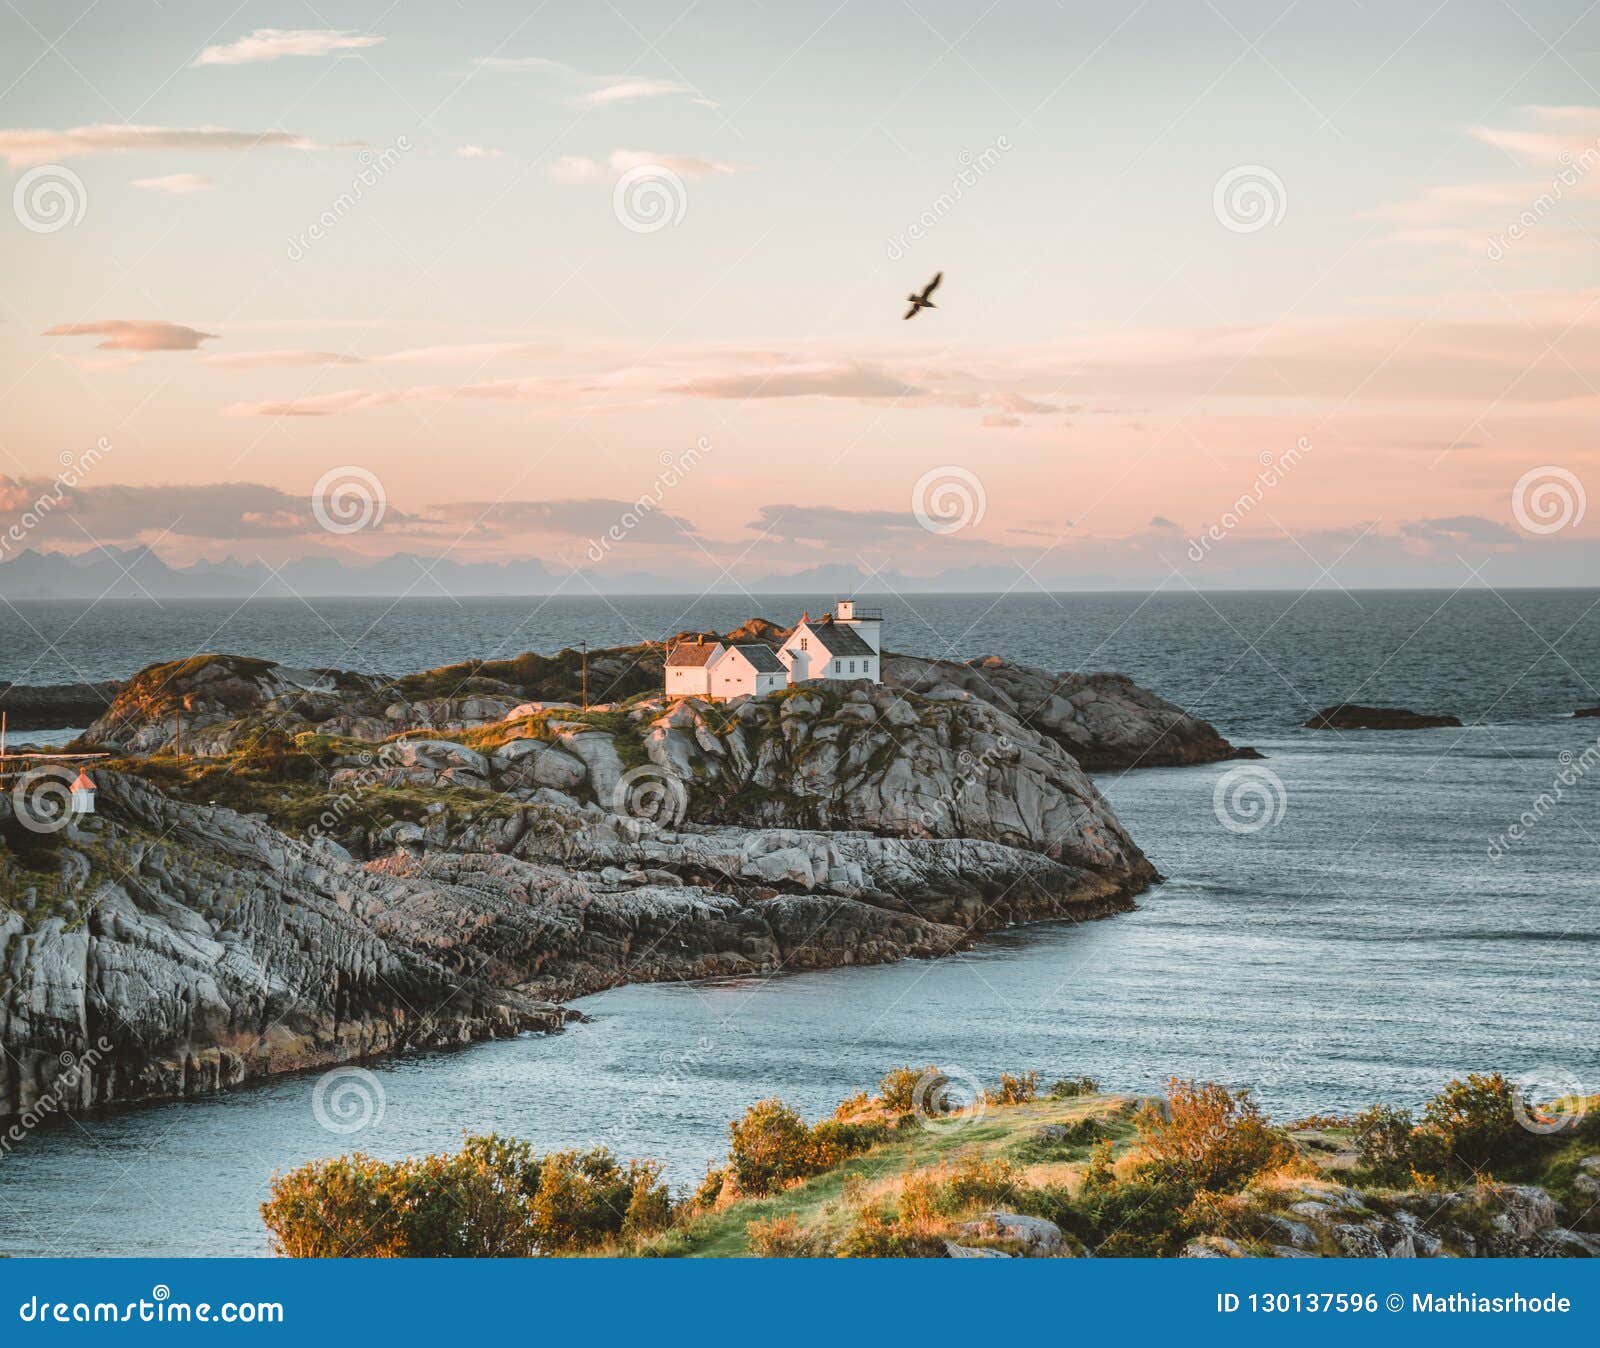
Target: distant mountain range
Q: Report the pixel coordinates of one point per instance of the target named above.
(138, 573)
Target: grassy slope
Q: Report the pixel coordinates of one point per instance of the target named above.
(818, 1203)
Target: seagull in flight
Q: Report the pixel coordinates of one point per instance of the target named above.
(922, 301)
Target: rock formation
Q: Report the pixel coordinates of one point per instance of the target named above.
(342, 865)
(53, 706)
(1349, 716)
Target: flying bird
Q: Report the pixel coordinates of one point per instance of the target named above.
(922, 301)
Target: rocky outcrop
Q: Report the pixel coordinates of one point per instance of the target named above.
(1105, 721)
(466, 883)
(55, 706)
(1349, 716)
(1587, 711)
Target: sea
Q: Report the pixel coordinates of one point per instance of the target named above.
(1358, 916)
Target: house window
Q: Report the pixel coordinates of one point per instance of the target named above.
(852, 666)
(805, 643)
(838, 666)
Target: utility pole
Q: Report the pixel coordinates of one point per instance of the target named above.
(586, 676)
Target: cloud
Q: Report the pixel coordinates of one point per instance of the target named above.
(596, 91)
(577, 168)
(1000, 420)
(831, 524)
(135, 334)
(268, 44)
(175, 184)
(249, 360)
(479, 152)
(213, 510)
(1459, 529)
(21, 148)
(846, 380)
(577, 518)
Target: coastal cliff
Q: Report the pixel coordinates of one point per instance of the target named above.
(341, 866)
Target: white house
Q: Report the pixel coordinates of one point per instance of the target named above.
(844, 644)
(689, 668)
(743, 670)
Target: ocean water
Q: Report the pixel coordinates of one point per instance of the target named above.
(1363, 943)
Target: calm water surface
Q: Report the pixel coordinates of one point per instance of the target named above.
(1364, 947)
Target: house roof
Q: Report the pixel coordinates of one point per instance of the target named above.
(693, 652)
(763, 659)
(838, 639)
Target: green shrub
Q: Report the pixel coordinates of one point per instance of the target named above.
(784, 1238)
(1470, 1126)
(874, 1236)
(1017, 1090)
(1385, 1143)
(898, 1089)
(835, 1141)
(770, 1147)
(1212, 1137)
(1069, 1088)
(492, 1199)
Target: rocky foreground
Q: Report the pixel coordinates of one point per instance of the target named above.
(339, 865)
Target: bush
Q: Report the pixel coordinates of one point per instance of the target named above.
(784, 1238)
(476, 1203)
(1141, 1217)
(771, 1147)
(898, 1089)
(835, 1142)
(1385, 1143)
(1211, 1137)
(874, 1236)
(1017, 1090)
(1470, 1125)
(492, 1199)
(1069, 1088)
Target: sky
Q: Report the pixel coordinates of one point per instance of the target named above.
(1235, 294)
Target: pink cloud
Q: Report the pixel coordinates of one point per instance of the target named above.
(269, 44)
(136, 334)
(250, 360)
(22, 148)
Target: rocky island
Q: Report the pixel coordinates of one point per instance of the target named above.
(339, 865)
(1349, 716)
